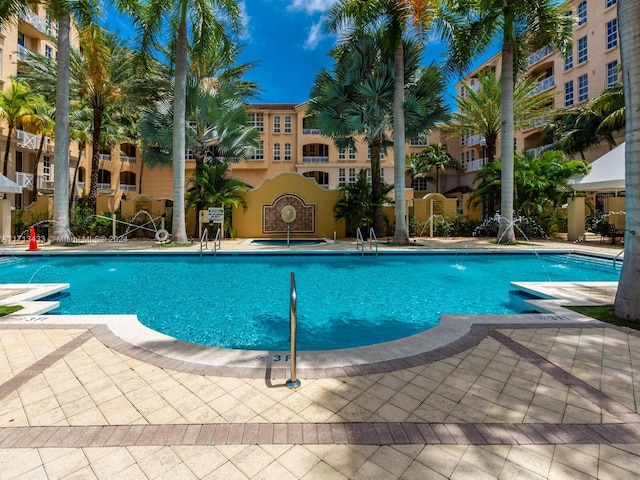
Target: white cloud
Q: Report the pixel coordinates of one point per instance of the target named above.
(315, 35)
(310, 6)
(245, 19)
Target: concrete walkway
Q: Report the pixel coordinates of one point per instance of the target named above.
(541, 396)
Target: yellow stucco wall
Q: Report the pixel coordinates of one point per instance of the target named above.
(317, 202)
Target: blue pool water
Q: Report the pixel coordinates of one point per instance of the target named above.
(242, 301)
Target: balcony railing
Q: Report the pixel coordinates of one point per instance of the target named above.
(534, 152)
(540, 54)
(125, 159)
(35, 21)
(544, 84)
(311, 131)
(104, 157)
(104, 186)
(475, 140)
(25, 180)
(474, 165)
(127, 188)
(315, 159)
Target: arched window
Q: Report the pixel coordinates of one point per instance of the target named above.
(322, 178)
(104, 178)
(128, 182)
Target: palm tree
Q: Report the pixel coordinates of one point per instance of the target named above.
(471, 27)
(627, 302)
(9, 9)
(16, 104)
(212, 187)
(395, 17)
(478, 111)
(84, 12)
(206, 29)
(434, 157)
(609, 106)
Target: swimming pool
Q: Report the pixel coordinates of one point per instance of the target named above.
(242, 301)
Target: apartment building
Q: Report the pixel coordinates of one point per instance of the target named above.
(591, 67)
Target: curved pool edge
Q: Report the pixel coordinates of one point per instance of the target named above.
(454, 334)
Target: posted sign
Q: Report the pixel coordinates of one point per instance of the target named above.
(216, 215)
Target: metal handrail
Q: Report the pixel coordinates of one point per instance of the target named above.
(204, 239)
(293, 382)
(372, 239)
(615, 260)
(217, 242)
(359, 240)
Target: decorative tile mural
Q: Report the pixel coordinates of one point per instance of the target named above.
(288, 210)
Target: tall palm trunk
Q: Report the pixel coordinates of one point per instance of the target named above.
(379, 225)
(95, 159)
(61, 152)
(179, 230)
(400, 234)
(34, 190)
(5, 165)
(74, 181)
(627, 302)
(506, 232)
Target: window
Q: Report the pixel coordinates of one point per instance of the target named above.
(568, 61)
(256, 120)
(0, 63)
(342, 154)
(612, 33)
(322, 178)
(104, 178)
(419, 184)
(568, 94)
(21, 39)
(258, 153)
(287, 152)
(582, 50)
(276, 124)
(583, 88)
(48, 52)
(352, 153)
(19, 161)
(46, 168)
(342, 177)
(287, 124)
(582, 13)
(276, 152)
(612, 73)
(610, 3)
(352, 176)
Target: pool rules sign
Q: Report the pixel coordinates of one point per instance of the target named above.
(211, 216)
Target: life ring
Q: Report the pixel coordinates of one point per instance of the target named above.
(162, 235)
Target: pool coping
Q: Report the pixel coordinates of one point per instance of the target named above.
(453, 334)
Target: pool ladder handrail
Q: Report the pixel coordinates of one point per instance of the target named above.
(293, 382)
(359, 240)
(217, 242)
(372, 239)
(204, 239)
(615, 260)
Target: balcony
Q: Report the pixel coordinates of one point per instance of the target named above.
(535, 152)
(24, 52)
(36, 22)
(544, 84)
(315, 159)
(25, 180)
(30, 140)
(104, 157)
(127, 188)
(475, 165)
(125, 159)
(538, 55)
(311, 131)
(475, 140)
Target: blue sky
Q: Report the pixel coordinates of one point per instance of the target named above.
(287, 40)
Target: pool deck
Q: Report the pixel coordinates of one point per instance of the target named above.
(550, 395)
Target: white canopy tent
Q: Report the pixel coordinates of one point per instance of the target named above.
(606, 175)
(9, 186)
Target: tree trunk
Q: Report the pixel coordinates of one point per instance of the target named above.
(627, 302)
(34, 190)
(400, 234)
(5, 165)
(506, 232)
(179, 231)
(95, 159)
(61, 152)
(379, 225)
(72, 189)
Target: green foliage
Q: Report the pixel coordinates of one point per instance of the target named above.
(84, 223)
(23, 219)
(524, 227)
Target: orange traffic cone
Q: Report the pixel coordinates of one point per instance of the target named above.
(33, 244)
